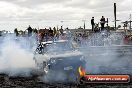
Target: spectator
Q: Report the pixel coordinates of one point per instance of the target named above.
(61, 30)
(54, 31)
(50, 32)
(16, 32)
(29, 31)
(92, 23)
(102, 22)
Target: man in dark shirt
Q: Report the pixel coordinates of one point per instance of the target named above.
(16, 32)
(92, 23)
(29, 31)
(102, 22)
(50, 32)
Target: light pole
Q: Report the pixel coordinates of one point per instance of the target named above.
(130, 21)
(115, 14)
(84, 26)
(62, 24)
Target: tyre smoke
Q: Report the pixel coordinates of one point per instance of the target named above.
(16, 57)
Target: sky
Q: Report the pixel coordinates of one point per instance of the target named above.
(69, 13)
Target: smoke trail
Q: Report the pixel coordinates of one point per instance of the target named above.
(15, 59)
(106, 55)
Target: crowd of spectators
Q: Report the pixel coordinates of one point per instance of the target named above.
(43, 35)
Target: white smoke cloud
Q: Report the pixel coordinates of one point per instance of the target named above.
(112, 57)
(15, 59)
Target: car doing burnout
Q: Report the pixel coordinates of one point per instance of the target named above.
(60, 65)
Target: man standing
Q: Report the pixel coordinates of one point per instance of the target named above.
(16, 32)
(92, 23)
(102, 22)
(29, 31)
